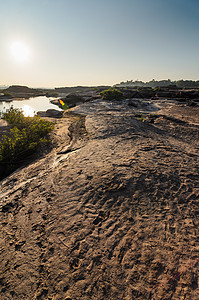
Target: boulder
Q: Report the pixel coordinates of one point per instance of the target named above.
(73, 98)
(53, 113)
(191, 103)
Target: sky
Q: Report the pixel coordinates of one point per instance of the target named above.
(54, 43)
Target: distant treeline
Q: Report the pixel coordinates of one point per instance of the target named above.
(160, 83)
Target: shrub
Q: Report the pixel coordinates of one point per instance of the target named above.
(111, 94)
(26, 135)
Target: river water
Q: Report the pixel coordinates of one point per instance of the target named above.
(30, 106)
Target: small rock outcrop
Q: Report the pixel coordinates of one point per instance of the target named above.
(54, 113)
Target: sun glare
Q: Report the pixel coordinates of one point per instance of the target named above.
(28, 111)
(20, 52)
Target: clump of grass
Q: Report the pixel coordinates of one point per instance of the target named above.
(26, 135)
(111, 94)
(140, 117)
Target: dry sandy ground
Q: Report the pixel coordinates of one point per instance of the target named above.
(112, 212)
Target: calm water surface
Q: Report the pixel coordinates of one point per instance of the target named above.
(30, 106)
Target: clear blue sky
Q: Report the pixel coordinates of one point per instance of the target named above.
(50, 43)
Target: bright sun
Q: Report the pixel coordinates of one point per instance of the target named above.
(20, 52)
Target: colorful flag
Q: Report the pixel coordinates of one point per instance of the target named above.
(64, 105)
(62, 102)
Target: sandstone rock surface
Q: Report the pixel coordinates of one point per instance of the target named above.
(110, 213)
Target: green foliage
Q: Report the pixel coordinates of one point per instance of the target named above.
(160, 83)
(140, 117)
(111, 94)
(8, 94)
(26, 134)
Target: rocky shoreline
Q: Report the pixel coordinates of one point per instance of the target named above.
(189, 97)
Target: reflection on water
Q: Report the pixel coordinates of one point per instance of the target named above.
(28, 111)
(30, 106)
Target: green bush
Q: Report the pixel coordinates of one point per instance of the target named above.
(111, 94)
(26, 135)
